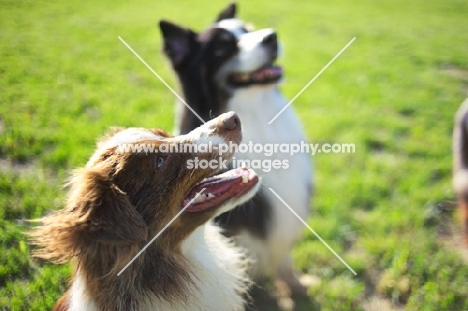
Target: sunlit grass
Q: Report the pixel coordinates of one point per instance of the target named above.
(65, 78)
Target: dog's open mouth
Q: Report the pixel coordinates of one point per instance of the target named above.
(220, 188)
(265, 75)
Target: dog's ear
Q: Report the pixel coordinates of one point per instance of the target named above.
(110, 216)
(228, 12)
(98, 214)
(177, 41)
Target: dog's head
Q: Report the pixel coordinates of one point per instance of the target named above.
(221, 59)
(127, 194)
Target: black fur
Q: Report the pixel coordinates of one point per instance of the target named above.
(196, 58)
(253, 216)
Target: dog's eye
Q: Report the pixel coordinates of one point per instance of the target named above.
(160, 161)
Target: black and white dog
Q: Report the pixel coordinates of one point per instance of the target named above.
(227, 67)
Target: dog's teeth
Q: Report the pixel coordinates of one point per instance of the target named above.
(199, 199)
(210, 195)
(245, 178)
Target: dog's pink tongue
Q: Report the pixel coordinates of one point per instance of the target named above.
(220, 188)
(215, 186)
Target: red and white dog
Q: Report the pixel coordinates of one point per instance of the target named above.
(121, 200)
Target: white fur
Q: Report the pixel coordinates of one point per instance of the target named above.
(256, 106)
(460, 181)
(79, 300)
(129, 136)
(234, 25)
(460, 171)
(252, 53)
(204, 134)
(217, 267)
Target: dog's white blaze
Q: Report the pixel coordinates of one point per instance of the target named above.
(252, 53)
(234, 25)
(129, 136)
(250, 40)
(203, 135)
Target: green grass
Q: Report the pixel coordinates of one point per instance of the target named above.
(65, 78)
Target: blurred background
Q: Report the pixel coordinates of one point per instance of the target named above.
(388, 209)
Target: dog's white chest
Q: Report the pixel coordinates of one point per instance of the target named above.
(256, 107)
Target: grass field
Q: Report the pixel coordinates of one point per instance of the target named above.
(387, 209)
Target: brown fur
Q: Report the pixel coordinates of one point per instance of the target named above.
(116, 204)
(63, 303)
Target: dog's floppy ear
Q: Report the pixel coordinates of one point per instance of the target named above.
(97, 214)
(228, 12)
(177, 41)
(110, 216)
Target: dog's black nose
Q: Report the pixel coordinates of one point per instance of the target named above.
(271, 40)
(231, 121)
